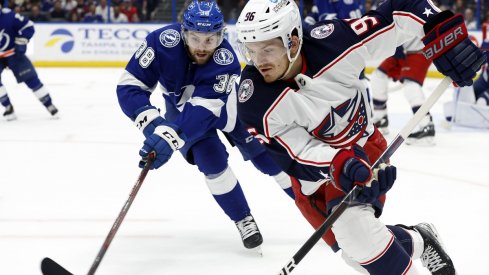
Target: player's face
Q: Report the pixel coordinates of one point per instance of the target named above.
(269, 57)
(202, 45)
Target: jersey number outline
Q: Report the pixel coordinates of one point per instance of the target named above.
(225, 84)
(362, 26)
(146, 57)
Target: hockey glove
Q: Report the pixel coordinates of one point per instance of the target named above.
(452, 52)
(350, 167)
(147, 119)
(164, 141)
(21, 45)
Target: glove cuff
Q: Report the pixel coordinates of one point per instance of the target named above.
(146, 115)
(21, 41)
(437, 19)
(338, 163)
(171, 136)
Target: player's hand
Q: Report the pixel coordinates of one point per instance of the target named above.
(21, 45)
(452, 52)
(351, 167)
(163, 142)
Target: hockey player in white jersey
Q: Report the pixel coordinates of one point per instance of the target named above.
(301, 96)
(409, 67)
(16, 31)
(197, 69)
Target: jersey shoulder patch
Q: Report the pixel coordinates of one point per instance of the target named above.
(322, 31)
(223, 56)
(245, 91)
(170, 38)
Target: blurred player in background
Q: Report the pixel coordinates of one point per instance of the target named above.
(197, 69)
(470, 105)
(16, 30)
(331, 9)
(408, 66)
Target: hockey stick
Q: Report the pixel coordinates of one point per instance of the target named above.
(50, 267)
(403, 134)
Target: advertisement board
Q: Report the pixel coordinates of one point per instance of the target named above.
(111, 45)
(93, 45)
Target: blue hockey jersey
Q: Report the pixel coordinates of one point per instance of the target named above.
(196, 96)
(304, 121)
(340, 9)
(13, 26)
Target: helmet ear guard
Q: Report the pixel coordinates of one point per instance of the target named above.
(263, 20)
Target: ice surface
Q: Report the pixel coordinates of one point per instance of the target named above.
(63, 183)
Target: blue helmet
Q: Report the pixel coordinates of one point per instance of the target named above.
(203, 16)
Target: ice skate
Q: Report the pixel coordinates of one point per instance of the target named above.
(52, 110)
(382, 124)
(250, 234)
(9, 114)
(434, 256)
(424, 134)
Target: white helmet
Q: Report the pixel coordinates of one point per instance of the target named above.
(263, 20)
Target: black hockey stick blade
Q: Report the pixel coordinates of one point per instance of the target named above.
(50, 267)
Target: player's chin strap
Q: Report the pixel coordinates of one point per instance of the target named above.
(292, 60)
(344, 204)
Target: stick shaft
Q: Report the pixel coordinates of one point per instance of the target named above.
(120, 218)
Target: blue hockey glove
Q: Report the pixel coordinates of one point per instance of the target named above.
(166, 139)
(452, 52)
(351, 167)
(21, 45)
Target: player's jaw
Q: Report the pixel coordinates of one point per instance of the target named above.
(271, 71)
(200, 56)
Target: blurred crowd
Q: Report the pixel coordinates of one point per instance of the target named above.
(122, 11)
(87, 11)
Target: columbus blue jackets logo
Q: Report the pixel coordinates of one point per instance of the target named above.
(245, 90)
(322, 31)
(345, 124)
(223, 56)
(169, 38)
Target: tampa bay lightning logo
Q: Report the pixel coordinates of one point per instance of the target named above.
(223, 56)
(245, 90)
(63, 37)
(169, 38)
(4, 40)
(322, 31)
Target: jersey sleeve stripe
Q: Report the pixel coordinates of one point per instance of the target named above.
(411, 15)
(297, 158)
(270, 110)
(128, 79)
(352, 48)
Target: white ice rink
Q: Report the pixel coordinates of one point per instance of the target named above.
(63, 183)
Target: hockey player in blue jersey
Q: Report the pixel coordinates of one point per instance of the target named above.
(330, 9)
(197, 69)
(16, 30)
(301, 95)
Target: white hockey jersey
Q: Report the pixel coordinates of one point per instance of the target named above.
(305, 121)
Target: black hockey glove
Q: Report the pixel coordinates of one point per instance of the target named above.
(452, 52)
